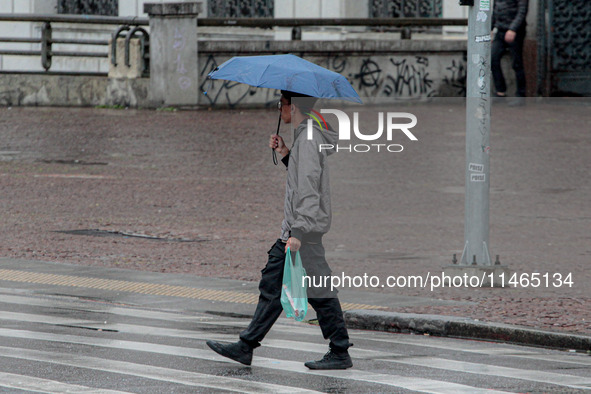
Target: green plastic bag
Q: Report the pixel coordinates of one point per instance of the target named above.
(294, 297)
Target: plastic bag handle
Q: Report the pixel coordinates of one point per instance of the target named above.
(288, 255)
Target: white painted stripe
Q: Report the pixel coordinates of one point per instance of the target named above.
(577, 359)
(174, 333)
(417, 384)
(303, 329)
(572, 381)
(195, 317)
(149, 372)
(55, 320)
(409, 383)
(59, 302)
(422, 341)
(144, 313)
(432, 342)
(303, 346)
(474, 347)
(30, 383)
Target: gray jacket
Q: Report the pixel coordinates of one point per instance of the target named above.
(307, 195)
(509, 14)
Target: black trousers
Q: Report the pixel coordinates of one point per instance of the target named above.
(499, 46)
(327, 306)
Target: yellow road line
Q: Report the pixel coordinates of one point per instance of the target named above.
(143, 288)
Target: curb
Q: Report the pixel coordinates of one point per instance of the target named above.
(461, 327)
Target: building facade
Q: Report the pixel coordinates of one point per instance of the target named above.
(557, 49)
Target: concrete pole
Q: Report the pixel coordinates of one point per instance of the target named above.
(174, 76)
(478, 106)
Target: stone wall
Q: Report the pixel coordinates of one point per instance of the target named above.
(72, 90)
(405, 70)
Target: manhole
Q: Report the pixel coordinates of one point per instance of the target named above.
(107, 233)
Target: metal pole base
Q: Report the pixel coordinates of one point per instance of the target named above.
(482, 259)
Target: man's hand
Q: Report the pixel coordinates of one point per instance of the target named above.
(293, 244)
(276, 143)
(510, 36)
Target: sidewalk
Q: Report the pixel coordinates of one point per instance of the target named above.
(196, 194)
(168, 291)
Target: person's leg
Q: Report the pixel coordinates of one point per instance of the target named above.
(516, 49)
(332, 322)
(324, 300)
(328, 310)
(497, 51)
(269, 306)
(268, 310)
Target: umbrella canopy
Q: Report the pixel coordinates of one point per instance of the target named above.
(286, 72)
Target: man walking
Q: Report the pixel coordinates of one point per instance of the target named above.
(509, 19)
(307, 217)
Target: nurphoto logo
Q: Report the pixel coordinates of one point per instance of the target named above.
(395, 122)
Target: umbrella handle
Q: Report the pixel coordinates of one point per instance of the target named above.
(275, 161)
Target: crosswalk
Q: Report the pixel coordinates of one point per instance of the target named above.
(54, 344)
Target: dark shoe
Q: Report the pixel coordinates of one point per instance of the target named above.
(332, 360)
(239, 351)
(517, 102)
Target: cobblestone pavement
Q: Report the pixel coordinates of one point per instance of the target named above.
(196, 192)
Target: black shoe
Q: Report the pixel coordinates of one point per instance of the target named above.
(332, 360)
(239, 351)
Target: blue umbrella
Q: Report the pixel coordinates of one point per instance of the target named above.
(286, 72)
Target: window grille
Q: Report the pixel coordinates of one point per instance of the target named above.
(240, 8)
(89, 7)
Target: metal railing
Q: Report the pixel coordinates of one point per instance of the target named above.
(267, 23)
(46, 51)
(404, 25)
(86, 19)
(134, 26)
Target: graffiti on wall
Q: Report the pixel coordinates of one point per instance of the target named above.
(402, 77)
(229, 93)
(407, 77)
(455, 78)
